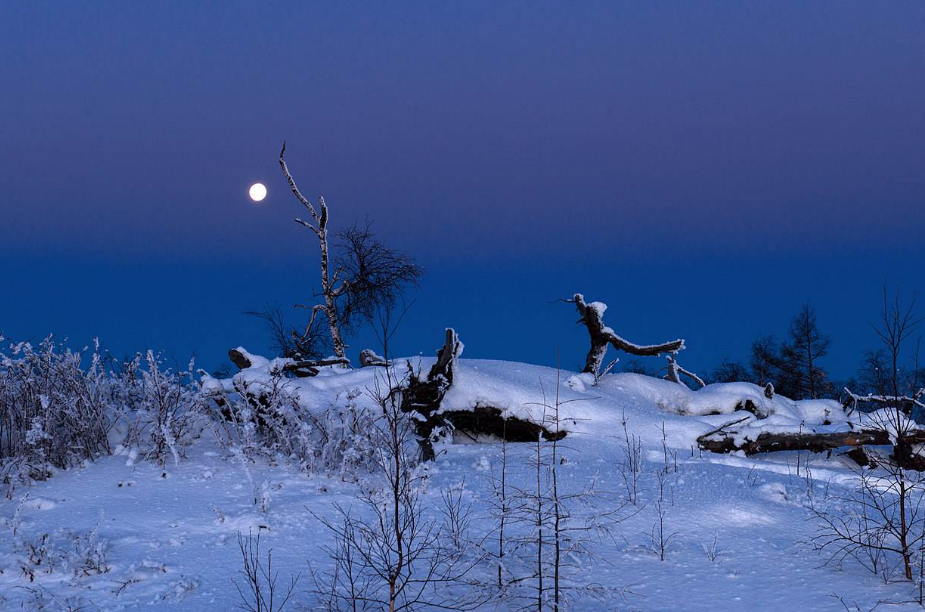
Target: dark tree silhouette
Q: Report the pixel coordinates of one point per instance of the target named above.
(730, 371)
(802, 353)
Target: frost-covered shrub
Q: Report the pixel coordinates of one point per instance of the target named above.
(53, 411)
(265, 418)
(346, 438)
(60, 407)
(64, 551)
(163, 409)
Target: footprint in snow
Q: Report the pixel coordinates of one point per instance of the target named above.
(39, 503)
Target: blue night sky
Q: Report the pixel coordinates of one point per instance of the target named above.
(703, 167)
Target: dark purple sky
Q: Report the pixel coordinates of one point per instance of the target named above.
(704, 168)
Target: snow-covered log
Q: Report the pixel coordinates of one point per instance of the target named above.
(488, 420)
(423, 397)
(726, 441)
(298, 367)
(730, 440)
(592, 316)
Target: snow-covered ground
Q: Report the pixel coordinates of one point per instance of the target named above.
(742, 525)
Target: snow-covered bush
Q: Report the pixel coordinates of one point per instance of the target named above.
(265, 417)
(162, 408)
(63, 551)
(60, 407)
(53, 411)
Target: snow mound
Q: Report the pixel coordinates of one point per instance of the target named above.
(537, 393)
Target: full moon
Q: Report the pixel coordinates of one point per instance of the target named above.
(258, 192)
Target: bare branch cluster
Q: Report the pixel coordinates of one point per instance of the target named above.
(399, 559)
(366, 278)
(259, 588)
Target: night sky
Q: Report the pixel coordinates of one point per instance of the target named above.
(703, 167)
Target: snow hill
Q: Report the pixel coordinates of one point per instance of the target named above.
(739, 529)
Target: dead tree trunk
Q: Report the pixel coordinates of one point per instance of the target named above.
(592, 316)
(766, 442)
(423, 395)
(330, 290)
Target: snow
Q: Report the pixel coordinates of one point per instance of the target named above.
(170, 533)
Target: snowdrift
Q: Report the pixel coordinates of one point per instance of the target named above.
(531, 393)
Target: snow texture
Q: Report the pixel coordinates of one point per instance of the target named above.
(164, 538)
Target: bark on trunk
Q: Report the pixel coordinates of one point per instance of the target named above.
(329, 288)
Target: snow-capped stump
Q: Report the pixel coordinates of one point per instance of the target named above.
(243, 360)
(369, 357)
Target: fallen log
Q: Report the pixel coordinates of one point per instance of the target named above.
(766, 442)
(302, 368)
(724, 441)
(487, 420)
(905, 403)
(859, 455)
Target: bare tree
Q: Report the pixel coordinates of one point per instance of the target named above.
(501, 506)
(896, 326)
(332, 286)
(399, 559)
(376, 276)
(632, 462)
(884, 517)
(388, 319)
(660, 536)
(890, 519)
(730, 371)
(765, 361)
(368, 275)
(553, 525)
(260, 591)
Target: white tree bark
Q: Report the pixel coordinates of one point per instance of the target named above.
(330, 290)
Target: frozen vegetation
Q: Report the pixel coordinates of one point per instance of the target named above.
(132, 486)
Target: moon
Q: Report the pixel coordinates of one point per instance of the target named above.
(258, 192)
